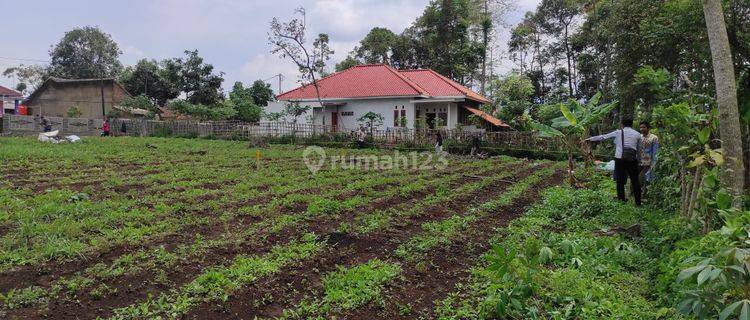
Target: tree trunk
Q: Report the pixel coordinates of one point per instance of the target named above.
(567, 55)
(485, 41)
(726, 92)
(571, 178)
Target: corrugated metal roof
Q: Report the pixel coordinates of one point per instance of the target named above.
(487, 117)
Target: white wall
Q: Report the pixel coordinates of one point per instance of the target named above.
(278, 106)
(358, 108)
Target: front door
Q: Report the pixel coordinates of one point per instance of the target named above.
(334, 121)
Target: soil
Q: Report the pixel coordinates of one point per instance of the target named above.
(136, 287)
(270, 296)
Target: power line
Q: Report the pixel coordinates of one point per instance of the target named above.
(23, 59)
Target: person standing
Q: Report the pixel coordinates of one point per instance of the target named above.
(46, 124)
(438, 142)
(627, 149)
(649, 151)
(105, 128)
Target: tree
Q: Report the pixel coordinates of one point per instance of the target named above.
(294, 110)
(84, 53)
(444, 42)
(261, 93)
(556, 17)
(512, 96)
(195, 78)
(573, 127)
(139, 102)
(371, 120)
(242, 100)
(347, 63)
(288, 41)
(729, 118)
(148, 78)
(31, 76)
(377, 46)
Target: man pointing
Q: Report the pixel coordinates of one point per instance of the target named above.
(627, 151)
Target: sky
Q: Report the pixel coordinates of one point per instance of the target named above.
(230, 34)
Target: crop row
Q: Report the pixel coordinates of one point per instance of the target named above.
(433, 233)
(155, 308)
(141, 258)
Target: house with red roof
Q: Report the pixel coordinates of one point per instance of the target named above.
(9, 100)
(403, 97)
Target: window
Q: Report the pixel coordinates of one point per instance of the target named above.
(395, 118)
(347, 113)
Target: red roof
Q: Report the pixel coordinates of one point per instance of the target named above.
(380, 80)
(9, 92)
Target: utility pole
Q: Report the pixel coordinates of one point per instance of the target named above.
(281, 77)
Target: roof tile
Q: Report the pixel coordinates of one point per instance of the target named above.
(379, 80)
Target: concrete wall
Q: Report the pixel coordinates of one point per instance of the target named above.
(354, 109)
(58, 98)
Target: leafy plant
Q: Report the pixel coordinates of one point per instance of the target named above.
(573, 127)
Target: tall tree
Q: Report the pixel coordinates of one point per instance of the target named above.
(195, 78)
(243, 101)
(85, 52)
(726, 92)
(347, 63)
(445, 42)
(557, 18)
(261, 93)
(147, 78)
(31, 76)
(377, 46)
(289, 41)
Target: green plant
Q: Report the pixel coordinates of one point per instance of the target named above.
(74, 112)
(371, 120)
(573, 127)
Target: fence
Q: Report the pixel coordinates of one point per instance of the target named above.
(513, 140)
(30, 125)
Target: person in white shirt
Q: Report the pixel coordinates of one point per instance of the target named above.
(627, 152)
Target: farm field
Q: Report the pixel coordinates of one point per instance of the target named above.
(132, 228)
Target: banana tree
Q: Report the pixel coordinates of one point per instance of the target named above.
(573, 127)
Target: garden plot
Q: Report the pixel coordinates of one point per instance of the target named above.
(140, 228)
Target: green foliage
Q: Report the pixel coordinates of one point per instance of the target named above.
(324, 207)
(85, 53)
(216, 112)
(138, 102)
(371, 120)
(512, 96)
(353, 287)
(195, 78)
(151, 78)
(376, 46)
(294, 110)
(719, 285)
(347, 63)
(74, 112)
(560, 261)
(261, 93)
(243, 101)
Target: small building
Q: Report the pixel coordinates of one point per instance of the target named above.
(404, 98)
(10, 100)
(56, 96)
